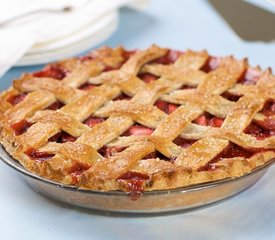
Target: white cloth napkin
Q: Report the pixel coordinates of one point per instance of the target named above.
(37, 31)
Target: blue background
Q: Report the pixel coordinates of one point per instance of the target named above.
(250, 215)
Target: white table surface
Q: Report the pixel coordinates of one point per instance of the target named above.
(25, 214)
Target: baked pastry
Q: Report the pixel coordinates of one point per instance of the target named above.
(141, 120)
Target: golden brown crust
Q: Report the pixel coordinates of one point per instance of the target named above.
(101, 173)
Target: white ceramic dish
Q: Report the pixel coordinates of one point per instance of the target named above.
(73, 46)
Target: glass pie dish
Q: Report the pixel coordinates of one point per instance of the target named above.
(161, 201)
(169, 129)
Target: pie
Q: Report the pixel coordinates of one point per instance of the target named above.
(141, 120)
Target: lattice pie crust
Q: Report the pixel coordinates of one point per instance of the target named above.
(141, 120)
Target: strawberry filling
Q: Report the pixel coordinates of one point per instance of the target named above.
(135, 181)
(38, 156)
(110, 151)
(157, 154)
(127, 54)
(77, 169)
(268, 124)
(92, 121)
(170, 57)
(257, 130)
(111, 68)
(231, 151)
(62, 137)
(13, 100)
(52, 71)
(231, 97)
(165, 106)
(122, 96)
(56, 105)
(209, 120)
(201, 120)
(269, 108)
(187, 87)
(184, 143)
(138, 130)
(147, 77)
(21, 127)
(211, 64)
(86, 58)
(87, 86)
(151, 155)
(265, 128)
(250, 77)
(216, 122)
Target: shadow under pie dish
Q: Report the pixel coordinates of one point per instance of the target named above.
(141, 121)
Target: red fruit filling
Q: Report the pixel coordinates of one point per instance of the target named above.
(111, 68)
(122, 96)
(211, 64)
(135, 181)
(231, 97)
(269, 108)
(127, 54)
(147, 77)
(268, 124)
(56, 105)
(21, 127)
(13, 100)
(165, 106)
(86, 58)
(170, 57)
(87, 86)
(62, 137)
(151, 155)
(184, 143)
(52, 71)
(110, 151)
(38, 156)
(231, 151)
(187, 87)
(138, 130)
(261, 130)
(250, 77)
(92, 121)
(157, 154)
(216, 122)
(77, 169)
(209, 120)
